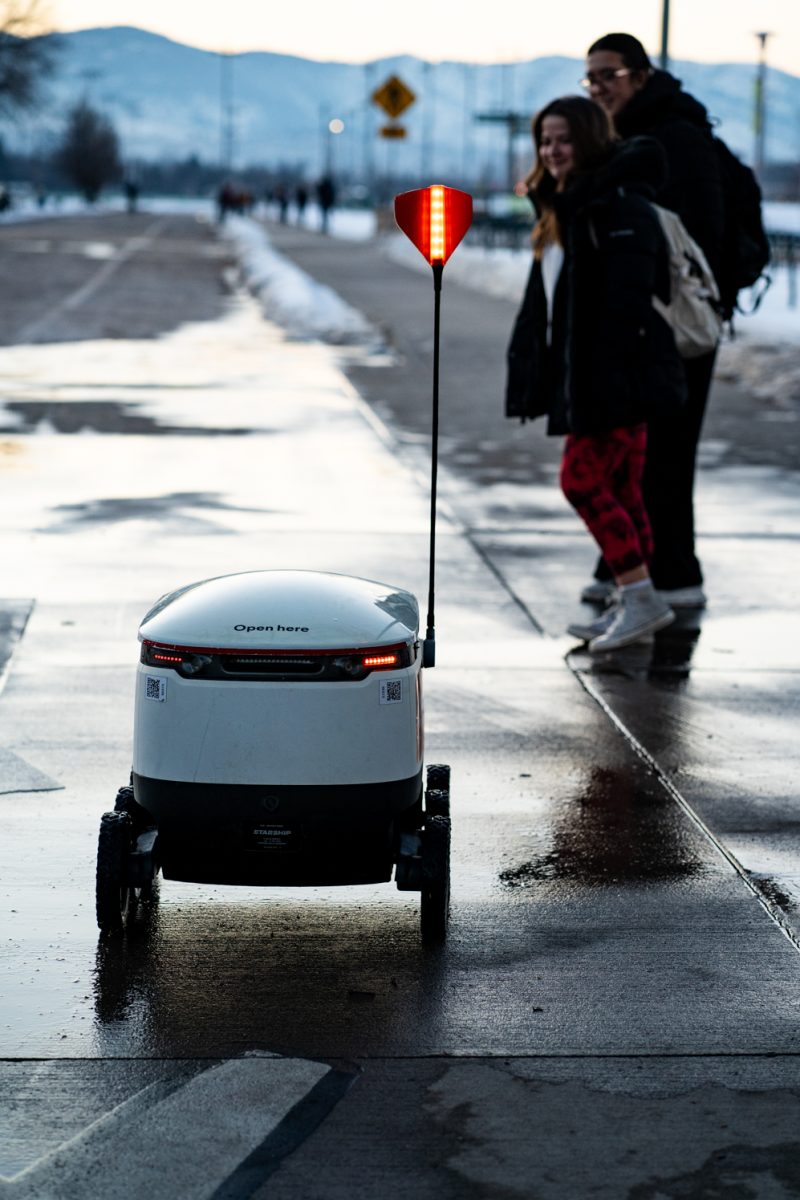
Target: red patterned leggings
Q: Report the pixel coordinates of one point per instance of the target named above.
(601, 477)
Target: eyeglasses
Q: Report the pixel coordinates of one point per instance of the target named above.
(606, 75)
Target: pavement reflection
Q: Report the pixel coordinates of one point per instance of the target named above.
(611, 834)
(288, 975)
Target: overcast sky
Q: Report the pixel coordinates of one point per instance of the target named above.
(502, 30)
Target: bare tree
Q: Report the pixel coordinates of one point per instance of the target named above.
(89, 153)
(28, 53)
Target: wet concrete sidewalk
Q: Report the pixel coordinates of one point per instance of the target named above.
(715, 702)
(609, 967)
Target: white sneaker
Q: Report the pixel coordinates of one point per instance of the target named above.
(688, 597)
(599, 591)
(586, 630)
(640, 612)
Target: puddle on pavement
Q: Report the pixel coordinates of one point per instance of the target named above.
(774, 892)
(288, 973)
(101, 416)
(665, 659)
(612, 833)
(147, 508)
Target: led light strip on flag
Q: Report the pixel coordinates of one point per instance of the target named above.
(437, 224)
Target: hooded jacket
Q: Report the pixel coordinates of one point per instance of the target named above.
(693, 187)
(612, 359)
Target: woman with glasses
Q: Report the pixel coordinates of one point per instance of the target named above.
(589, 350)
(641, 100)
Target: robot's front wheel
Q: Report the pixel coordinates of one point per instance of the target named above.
(435, 893)
(113, 891)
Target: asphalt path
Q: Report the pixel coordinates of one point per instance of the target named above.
(100, 276)
(615, 1012)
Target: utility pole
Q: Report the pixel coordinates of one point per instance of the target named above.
(226, 111)
(468, 105)
(515, 124)
(759, 109)
(368, 132)
(663, 60)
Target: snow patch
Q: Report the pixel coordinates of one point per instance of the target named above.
(289, 296)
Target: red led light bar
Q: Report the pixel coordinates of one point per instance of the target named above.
(435, 219)
(380, 660)
(371, 656)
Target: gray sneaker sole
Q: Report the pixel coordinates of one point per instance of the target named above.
(588, 631)
(605, 642)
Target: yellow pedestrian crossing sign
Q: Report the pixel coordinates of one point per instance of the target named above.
(394, 97)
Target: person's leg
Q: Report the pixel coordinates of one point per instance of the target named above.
(668, 481)
(588, 466)
(626, 484)
(668, 487)
(594, 471)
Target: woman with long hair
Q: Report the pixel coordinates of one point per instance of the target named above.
(589, 351)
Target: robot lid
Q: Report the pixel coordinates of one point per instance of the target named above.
(283, 610)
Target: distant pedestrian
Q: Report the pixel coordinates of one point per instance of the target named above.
(226, 201)
(326, 198)
(301, 200)
(589, 350)
(131, 195)
(642, 100)
(281, 198)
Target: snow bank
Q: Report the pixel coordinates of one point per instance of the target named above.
(289, 296)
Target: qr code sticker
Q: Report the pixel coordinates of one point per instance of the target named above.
(155, 688)
(392, 691)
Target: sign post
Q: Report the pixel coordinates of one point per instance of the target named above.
(394, 97)
(435, 219)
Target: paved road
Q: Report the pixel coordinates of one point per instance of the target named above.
(102, 277)
(616, 1010)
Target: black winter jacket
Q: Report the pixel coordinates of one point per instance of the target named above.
(612, 360)
(693, 187)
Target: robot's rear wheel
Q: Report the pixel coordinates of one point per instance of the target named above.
(113, 893)
(435, 893)
(437, 791)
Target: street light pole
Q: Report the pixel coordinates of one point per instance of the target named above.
(332, 130)
(759, 113)
(428, 118)
(663, 60)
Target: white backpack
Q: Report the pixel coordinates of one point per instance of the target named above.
(693, 313)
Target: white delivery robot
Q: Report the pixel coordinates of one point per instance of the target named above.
(278, 740)
(278, 728)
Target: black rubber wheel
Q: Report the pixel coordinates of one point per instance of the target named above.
(140, 817)
(437, 803)
(113, 893)
(438, 777)
(140, 820)
(435, 893)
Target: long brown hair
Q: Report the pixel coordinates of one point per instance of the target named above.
(592, 139)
